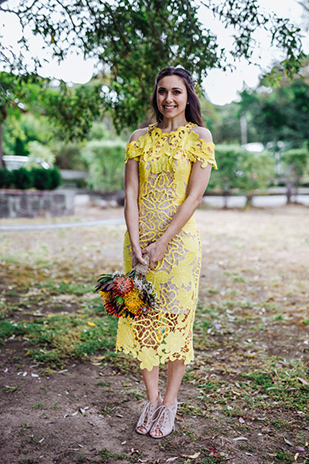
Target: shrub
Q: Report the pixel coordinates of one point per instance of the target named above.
(5, 178)
(55, 178)
(226, 178)
(241, 171)
(105, 159)
(46, 179)
(22, 178)
(256, 172)
(39, 178)
(296, 162)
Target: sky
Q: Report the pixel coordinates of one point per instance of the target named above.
(220, 87)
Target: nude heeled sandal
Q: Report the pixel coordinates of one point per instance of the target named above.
(164, 421)
(148, 415)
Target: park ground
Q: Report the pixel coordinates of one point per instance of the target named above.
(67, 398)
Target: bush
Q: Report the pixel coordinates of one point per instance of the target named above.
(106, 164)
(226, 178)
(22, 178)
(46, 179)
(39, 178)
(296, 163)
(5, 178)
(256, 173)
(241, 171)
(55, 178)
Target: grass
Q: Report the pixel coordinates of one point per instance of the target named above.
(250, 350)
(65, 287)
(38, 406)
(61, 337)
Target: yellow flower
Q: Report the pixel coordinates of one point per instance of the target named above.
(133, 301)
(148, 358)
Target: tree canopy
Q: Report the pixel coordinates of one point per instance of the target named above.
(133, 39)
(279, 114)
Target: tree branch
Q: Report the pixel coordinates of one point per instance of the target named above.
(305, 5)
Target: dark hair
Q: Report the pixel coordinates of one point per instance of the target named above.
(193, 109)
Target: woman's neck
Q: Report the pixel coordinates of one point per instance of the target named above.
(171, 125)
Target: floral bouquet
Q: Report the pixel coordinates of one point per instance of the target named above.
(127, 295)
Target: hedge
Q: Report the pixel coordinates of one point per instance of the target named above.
(38, 178)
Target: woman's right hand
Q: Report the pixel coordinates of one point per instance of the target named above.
(137, 257)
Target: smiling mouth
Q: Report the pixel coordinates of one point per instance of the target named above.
(166, 107)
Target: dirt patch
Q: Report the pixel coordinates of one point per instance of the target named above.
(244, 400)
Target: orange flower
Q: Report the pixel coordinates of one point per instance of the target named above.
(109, 307)
(122, 286)
(133, 301)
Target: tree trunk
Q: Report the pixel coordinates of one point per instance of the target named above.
(1, 148)
(296, 187)
(249, 198)
(225, 198)
(289, 187)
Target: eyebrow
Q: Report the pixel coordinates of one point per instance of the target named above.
(174, 88)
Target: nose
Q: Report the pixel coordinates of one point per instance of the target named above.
(168, 97)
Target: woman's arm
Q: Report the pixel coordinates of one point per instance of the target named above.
(198, 182)
(131, 214)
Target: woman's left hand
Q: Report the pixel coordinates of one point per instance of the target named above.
(156, 252)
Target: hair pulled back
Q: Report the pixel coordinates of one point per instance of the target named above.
(193, 109)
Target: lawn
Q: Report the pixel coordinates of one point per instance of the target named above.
(67, 397)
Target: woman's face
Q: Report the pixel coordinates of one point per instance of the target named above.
(172, 97)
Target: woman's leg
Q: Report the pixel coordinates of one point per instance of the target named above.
(151, 380)
(175, 373)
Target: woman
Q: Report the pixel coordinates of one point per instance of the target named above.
(167, 170)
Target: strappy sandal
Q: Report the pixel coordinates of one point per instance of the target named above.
(148, 415)
(164, 421)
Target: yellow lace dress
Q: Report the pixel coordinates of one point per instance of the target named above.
(165, 161)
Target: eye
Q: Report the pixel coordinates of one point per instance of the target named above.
(176, 92)
(161, 91)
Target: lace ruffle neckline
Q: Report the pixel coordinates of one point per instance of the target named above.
(158, 131)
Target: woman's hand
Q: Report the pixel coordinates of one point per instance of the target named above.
(156, 252)
(137, 257)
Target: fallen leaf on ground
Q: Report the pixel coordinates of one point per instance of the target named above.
(288, 442)
(240, 438)
(305, 382)
(191, 456)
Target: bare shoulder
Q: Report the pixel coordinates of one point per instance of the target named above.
(138, 133)
(203, 133)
